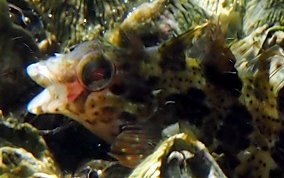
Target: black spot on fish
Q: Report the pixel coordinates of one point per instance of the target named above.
(197, 94)
(219, 68)
(280, 100)
(227, 79)
(234, 131)
(137, 89)
(189, 105)
(173, 57)
(150, 39)
(117, 89)
(153, 81)
(127, 117)
(278, 151)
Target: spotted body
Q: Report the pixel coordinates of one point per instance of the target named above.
(173, 61)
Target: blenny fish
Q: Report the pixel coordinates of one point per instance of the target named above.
(171, 61)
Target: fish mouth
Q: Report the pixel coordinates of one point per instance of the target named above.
(39, 73)
(35, 105)
(51, 100)
(46, 72)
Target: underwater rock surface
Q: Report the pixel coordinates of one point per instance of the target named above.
(23, 152)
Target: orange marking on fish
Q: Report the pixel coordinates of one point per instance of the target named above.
(74, 90)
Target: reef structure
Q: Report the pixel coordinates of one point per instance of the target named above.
(216, 65)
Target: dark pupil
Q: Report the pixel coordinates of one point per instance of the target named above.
(97, 73)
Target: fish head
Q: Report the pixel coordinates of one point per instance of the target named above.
(95, 84)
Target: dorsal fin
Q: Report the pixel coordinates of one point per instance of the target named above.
(207, 44)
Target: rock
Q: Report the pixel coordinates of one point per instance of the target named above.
(23, 152)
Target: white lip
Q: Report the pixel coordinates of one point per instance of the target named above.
(36, 105)
(45, 72)
(40, 73)
(50, 100)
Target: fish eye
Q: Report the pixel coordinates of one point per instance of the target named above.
(95, 72)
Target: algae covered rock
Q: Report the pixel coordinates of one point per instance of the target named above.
(23, 152)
